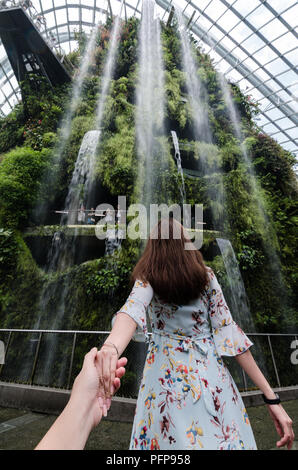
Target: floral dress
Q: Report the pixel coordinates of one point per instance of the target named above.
(187, 397)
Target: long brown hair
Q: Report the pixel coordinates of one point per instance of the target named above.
(175, 274)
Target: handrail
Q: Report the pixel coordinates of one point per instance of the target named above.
(75, 333)
(25, 330)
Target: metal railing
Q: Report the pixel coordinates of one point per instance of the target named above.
(30, 354)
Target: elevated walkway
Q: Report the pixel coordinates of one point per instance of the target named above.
(27, 50)
(89, 230)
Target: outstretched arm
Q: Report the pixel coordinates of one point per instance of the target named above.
(282, 421)
(131, 314)
(71, 429)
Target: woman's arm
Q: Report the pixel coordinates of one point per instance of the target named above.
(117, 341)
(282, 421)
(122, 332)
(248, 364)
(131, 314)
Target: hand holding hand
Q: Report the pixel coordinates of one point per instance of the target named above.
(87, 386)
(107, 359)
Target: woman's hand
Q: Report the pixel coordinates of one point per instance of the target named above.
(106, 363)
(87, 385)
(283, 425)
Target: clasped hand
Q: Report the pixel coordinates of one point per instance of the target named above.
(106, 363)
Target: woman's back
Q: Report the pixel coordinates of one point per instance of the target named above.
(200, 318)
(187, 396)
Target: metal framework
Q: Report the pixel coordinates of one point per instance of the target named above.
(253, 43)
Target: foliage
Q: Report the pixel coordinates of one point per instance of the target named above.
(11, 129)
(20, 174)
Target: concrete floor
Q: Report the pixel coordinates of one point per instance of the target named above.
(22, 430)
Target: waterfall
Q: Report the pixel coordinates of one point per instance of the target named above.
(149, 117)
(62, 251)
(179, 166)
(65, 127)
(79, 185)
(198, 104)
(238, 298)
(269, 237)
(238, 301)
(198, 99)
(107, 76)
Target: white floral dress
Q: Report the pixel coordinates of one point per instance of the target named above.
(187, 397)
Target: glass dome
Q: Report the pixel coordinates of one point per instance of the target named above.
(254, 44)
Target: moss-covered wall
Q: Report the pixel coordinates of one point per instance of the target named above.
(97, 288)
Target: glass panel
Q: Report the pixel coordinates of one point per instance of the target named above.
(291, 16)
(275, 114)
(259, 17)
(240, 32)
(273, 29)
(215, 9)
(88, 2)
(280, 6)
(73, 13)
(61, 16)
(229, 20)
(87, 15)
(293, 133)
(277, 66)
(245, 7)
(50, 17)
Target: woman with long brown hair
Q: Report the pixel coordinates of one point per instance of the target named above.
(187, 397)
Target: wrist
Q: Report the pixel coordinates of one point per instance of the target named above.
(82, 411)
(272, 401)
(111, 346)
(269, 393)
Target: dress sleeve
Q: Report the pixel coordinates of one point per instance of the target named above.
(229, 339)
(137, 304)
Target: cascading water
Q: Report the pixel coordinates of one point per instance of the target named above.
(238, 298)
(197, 94)
(79, 185)
(179, 166)
(238, 301)
(62, 251)
(149, 118)
(107, 76)
(198, 103)
(269, 238)
(65, 127)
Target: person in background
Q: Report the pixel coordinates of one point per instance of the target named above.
(91, 217)
(84, 409)
(81, 215)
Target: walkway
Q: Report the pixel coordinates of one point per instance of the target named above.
(21, 430)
